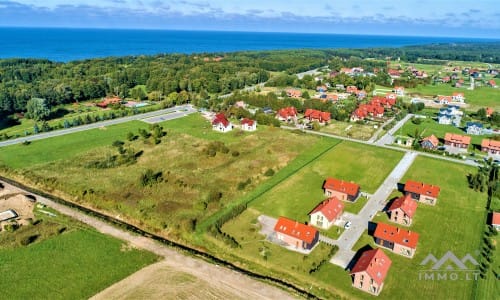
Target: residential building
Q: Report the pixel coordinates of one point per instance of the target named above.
(458, 97)
(474, 128)
(457, 140)
(444, 99)
(221, 123)
(351, 89)
(293, 93)
(402, 210)
(490, 146)
(326, 213)
(287, 114)
(370, 271)
(489, 111)
(296, 234)
(321, 88)
(360, 94)
(248, 125)
(394, 73)
(422, 192)
(399, 90)
(399, 241)
(450, 115)
(109, 100)
(391, 96)
(317, 115)
(492, 83)
(430, 142)
(495, 220)
(343, 190)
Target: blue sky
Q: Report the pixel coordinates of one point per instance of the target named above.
(480, 18)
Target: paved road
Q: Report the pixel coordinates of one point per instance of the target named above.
(388, 138)
(310, 72)
(169, 113)
(374, 204)
(375, 135)
(221, 278)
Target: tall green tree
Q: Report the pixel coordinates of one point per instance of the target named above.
(37, 109)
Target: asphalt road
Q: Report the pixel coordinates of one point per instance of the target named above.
(167, 114)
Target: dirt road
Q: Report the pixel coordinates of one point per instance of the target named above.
(222, 280)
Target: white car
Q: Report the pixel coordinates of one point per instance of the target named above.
(347, 225)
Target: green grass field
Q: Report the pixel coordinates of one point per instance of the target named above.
(64, 147)
(298, 195)
(353, 130)
(477, 98)
(430, 126)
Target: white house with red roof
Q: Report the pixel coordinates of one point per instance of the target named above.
(422, 192)
(399, 241)
(221, 123)
(295, 234)
(402, 210)
(293, 93)
(495, 220)
(343, 190)
(490, 146)
(370, 271)
(399, 90)
(287, 114)
(458, 97)
(351, 89)
(316, 115)
(326, 213)
(391, 96)
(248, 124)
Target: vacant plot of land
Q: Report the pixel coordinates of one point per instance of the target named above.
(64, 147)
(353, 130)
(192, 184)
(298, 195)
(477, 98)
(74, 265)
(159, 281)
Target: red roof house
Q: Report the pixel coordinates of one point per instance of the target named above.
(495, 220)
(370, 271)
(295, 234)
(458, 97)
(351, 89)
(490, 146)
(492, 83)
(399, 90)
(391, 96)
(489, 111)
(287, 114)
(317, 115)
(221, 123)
(430, 142)
(109, 100)
(421, 192)
(326, 213)
(343, 190)
(293, 93)
(248, 125)
(399, 241)
(457, 140)
(402, 210)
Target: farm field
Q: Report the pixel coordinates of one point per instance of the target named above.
(86, 263)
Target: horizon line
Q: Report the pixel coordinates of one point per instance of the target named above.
(250, 31)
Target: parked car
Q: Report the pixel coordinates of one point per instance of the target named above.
(347, 225)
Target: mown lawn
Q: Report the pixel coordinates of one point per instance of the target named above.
(22, 156)
(298, 195)
(357, 131)
(74, 265)
(429, 126)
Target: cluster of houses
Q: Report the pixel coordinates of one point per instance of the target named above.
(488, 146)
(222, 124)
(372, 266)
(375, 108)
(455, 97)
(303, 236)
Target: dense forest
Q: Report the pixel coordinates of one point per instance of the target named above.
(182, 77)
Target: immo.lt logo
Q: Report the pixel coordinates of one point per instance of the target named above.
(449, 267)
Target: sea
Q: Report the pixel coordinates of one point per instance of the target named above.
(65, 44)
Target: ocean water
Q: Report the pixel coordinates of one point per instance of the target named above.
(64, 45)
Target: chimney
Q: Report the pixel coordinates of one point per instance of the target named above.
(397, 229)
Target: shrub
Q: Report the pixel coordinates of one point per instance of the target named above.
(235, 153)
(29, 239)
(269, 172)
